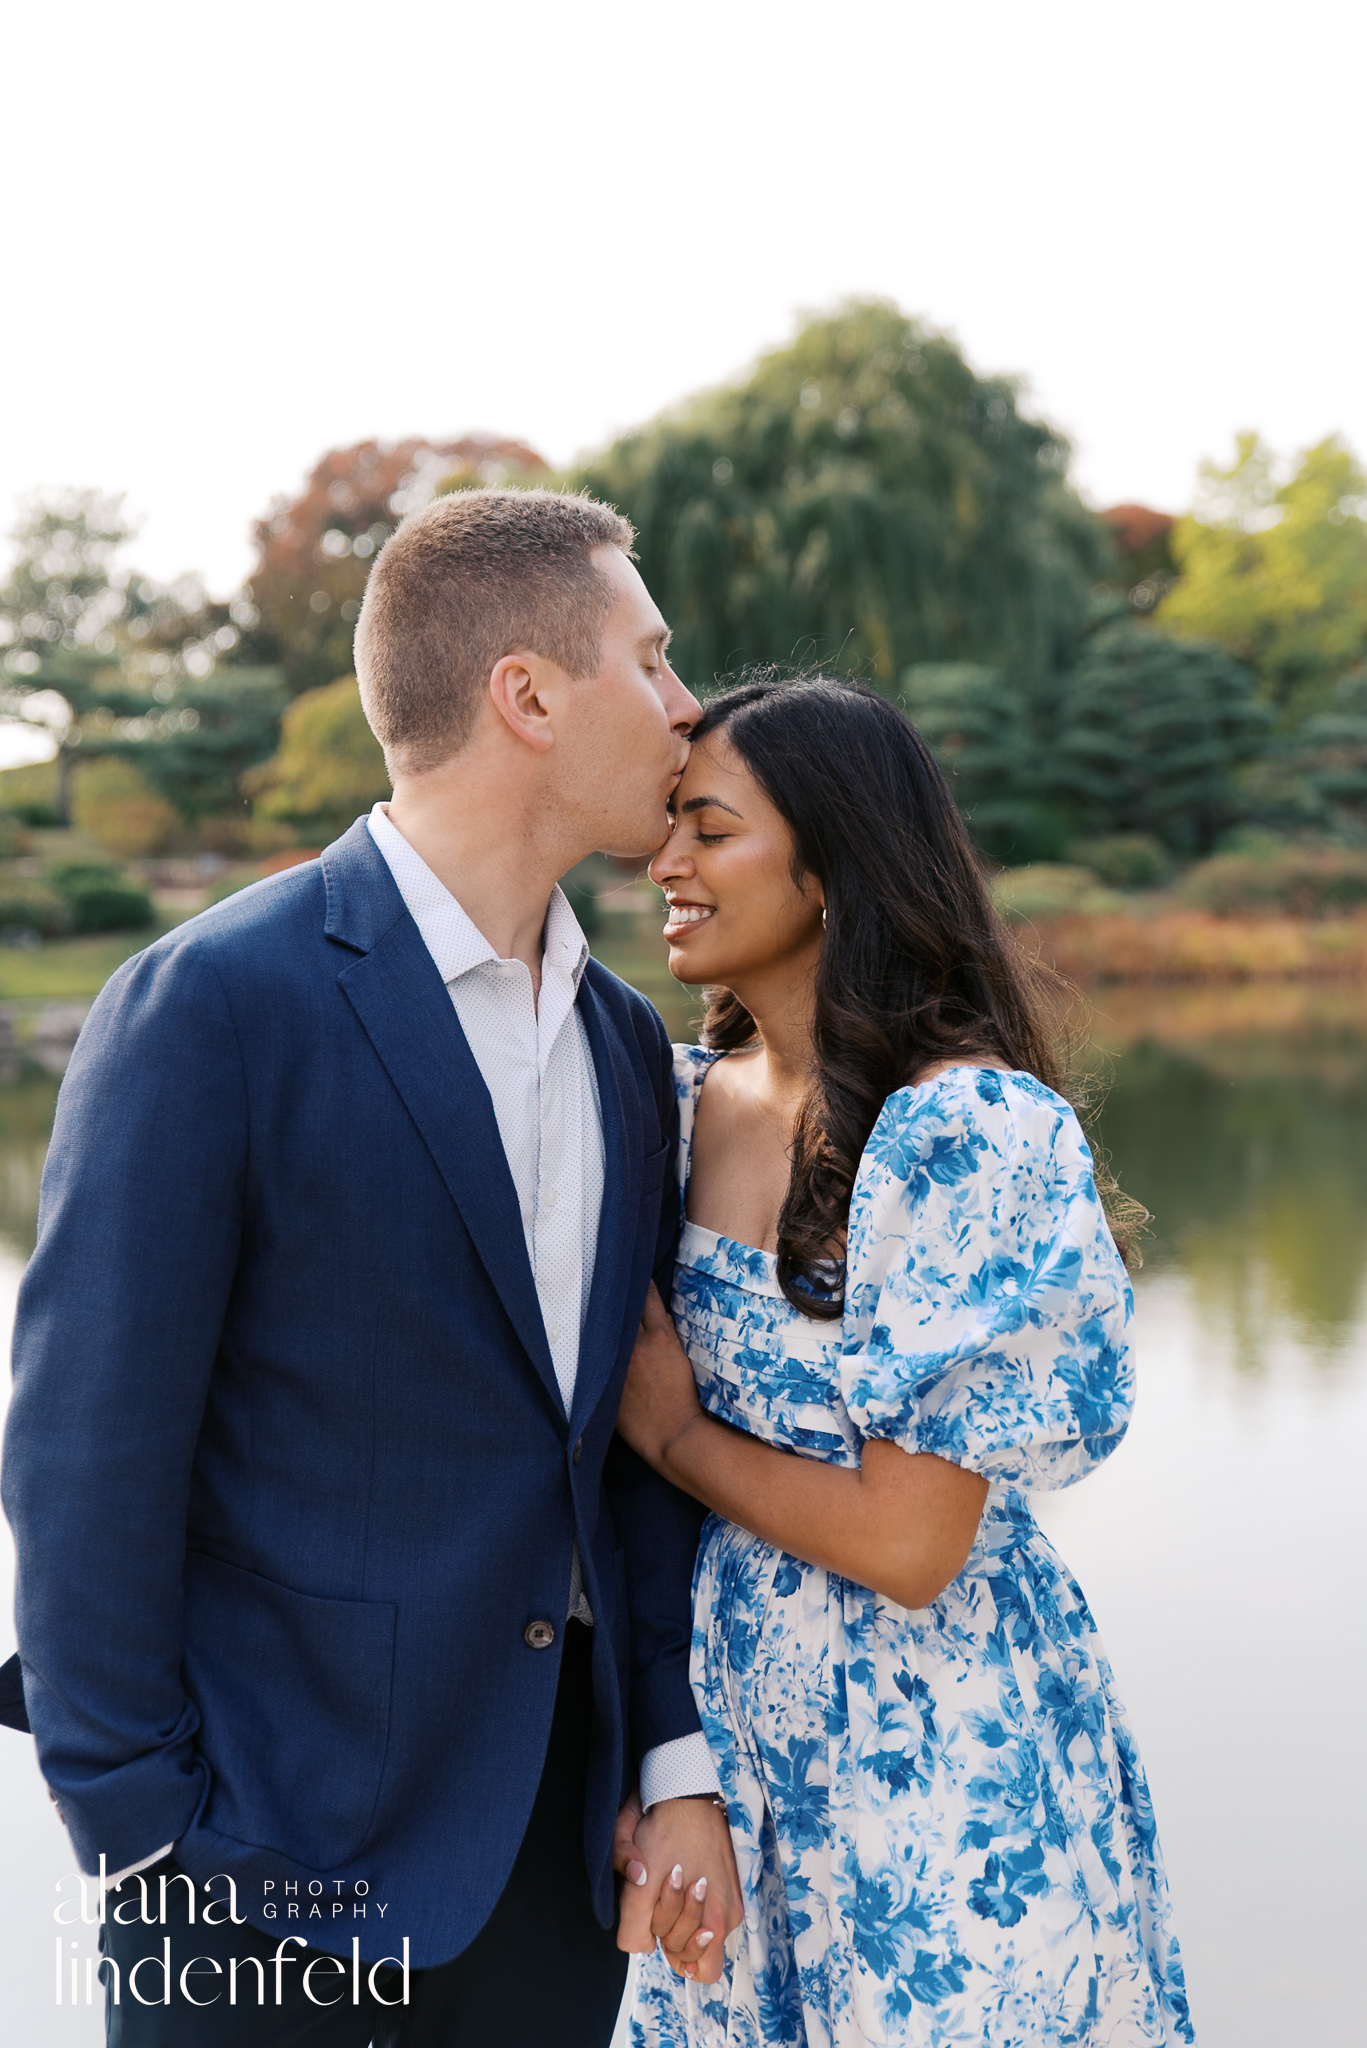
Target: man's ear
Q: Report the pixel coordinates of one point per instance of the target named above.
(518, 693)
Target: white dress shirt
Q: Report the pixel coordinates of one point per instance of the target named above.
(533, 1053)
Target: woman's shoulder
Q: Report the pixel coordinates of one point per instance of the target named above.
(691, 1062)
(963, 1117)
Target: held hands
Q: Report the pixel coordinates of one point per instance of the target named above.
(680, 1884)
(660, 1398)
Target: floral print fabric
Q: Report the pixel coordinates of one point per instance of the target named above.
(941, 1823)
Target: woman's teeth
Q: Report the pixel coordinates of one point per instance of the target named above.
(686, 913)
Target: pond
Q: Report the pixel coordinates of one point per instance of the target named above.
(1222, 1548)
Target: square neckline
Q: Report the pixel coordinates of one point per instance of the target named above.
(753, 1251)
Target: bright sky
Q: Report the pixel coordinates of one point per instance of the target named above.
(238, 235)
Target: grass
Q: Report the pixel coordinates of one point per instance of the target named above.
(71, 970)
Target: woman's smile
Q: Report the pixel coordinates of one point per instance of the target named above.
(729, 839)
(681, 917)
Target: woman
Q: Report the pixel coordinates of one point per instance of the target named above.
(899, 1308)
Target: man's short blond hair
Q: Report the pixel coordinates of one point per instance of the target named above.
(474, 576)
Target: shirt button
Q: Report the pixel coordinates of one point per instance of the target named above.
(552, 1332)
(538, 1635)
(578, 1453)
(549, 1198)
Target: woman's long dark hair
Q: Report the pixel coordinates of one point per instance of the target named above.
(916, 966)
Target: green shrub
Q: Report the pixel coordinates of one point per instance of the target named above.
(111, 907)
(32, 794)
(1050, 889)
(33, 907)
(1307, 881)
(114, 804)
(1125, 860)
(101, 899)
(12, 835)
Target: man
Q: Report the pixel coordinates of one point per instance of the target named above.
(332, 1579)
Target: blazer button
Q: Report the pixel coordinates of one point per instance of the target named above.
(579, 1451)
(538, 1635)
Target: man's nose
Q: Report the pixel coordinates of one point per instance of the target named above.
(684, 708)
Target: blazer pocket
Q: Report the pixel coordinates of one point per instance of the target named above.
(294, 1696)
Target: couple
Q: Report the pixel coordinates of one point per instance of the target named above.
(368, 1400)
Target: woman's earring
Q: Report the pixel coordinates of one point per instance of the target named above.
(823, 917)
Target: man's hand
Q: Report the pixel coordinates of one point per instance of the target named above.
(681, 1884)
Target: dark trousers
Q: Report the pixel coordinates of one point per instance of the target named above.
(541, 1973)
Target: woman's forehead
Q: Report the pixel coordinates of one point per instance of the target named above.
(714, 765)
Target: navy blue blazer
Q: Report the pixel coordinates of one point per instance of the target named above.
(287, 1465)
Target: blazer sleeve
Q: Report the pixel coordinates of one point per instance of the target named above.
(119, 1323)
(657, 1526)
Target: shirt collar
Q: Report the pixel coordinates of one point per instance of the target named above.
(456, 943)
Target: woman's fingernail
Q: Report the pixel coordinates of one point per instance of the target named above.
(700, 1889)
(636, 1873)
(676, 1877)
(705, 1937)
(689, 1970)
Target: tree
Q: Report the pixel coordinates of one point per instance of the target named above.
(299, 609)
(195, 749)
(110, 663)
(1328, 759)
(63, 590)
(58, 607)
(862, 498)
(1150, 735)
(1277, 572)
(329, 768)
(1143, 547)
(978, 725)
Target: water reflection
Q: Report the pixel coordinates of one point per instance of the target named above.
(1238, 1116)
(1251, 1152)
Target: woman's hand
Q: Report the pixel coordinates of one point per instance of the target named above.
(660, 1399)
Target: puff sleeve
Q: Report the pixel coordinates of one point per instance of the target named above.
(986, 1304)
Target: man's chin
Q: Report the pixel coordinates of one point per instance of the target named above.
(639, 844)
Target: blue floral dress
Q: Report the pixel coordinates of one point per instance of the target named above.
(941, 1823)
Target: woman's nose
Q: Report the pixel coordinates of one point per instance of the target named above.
(668, 862)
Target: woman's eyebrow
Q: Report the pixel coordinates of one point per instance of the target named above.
(703, 803)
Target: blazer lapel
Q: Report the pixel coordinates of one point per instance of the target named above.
(407, 1014)
(622, 1152)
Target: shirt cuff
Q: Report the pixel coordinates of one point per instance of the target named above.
(678, 1770)
(143, 1863)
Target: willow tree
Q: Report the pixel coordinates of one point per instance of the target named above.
(862, 499)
